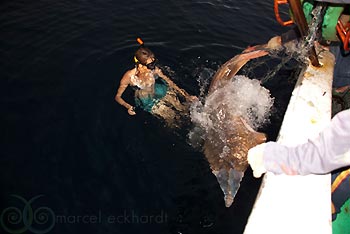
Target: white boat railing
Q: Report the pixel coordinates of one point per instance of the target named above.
(299, 204)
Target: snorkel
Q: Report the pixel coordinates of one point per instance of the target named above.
(139, 40)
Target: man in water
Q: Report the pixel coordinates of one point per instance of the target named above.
(155, 92)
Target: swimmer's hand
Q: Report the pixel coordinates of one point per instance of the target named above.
(131, 110)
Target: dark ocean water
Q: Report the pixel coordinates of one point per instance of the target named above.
(64, 137)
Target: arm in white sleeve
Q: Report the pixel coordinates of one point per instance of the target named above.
(329, 151)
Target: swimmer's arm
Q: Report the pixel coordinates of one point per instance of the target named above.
(173, 85)
(124, 83)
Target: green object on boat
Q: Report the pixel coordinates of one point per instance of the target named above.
(330, 19)
(342, 222)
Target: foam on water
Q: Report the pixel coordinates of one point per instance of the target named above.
(242, 97)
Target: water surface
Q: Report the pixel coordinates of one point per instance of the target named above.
(64, 137)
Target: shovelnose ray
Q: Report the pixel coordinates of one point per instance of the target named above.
(228, 141)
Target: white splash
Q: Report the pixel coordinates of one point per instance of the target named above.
(242, 97)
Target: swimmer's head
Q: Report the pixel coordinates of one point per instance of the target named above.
(143, 55)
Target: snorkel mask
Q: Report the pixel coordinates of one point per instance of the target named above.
(152, 65)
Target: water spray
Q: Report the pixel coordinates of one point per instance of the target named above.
(300, 21)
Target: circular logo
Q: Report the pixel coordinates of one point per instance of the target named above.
(16, 221)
